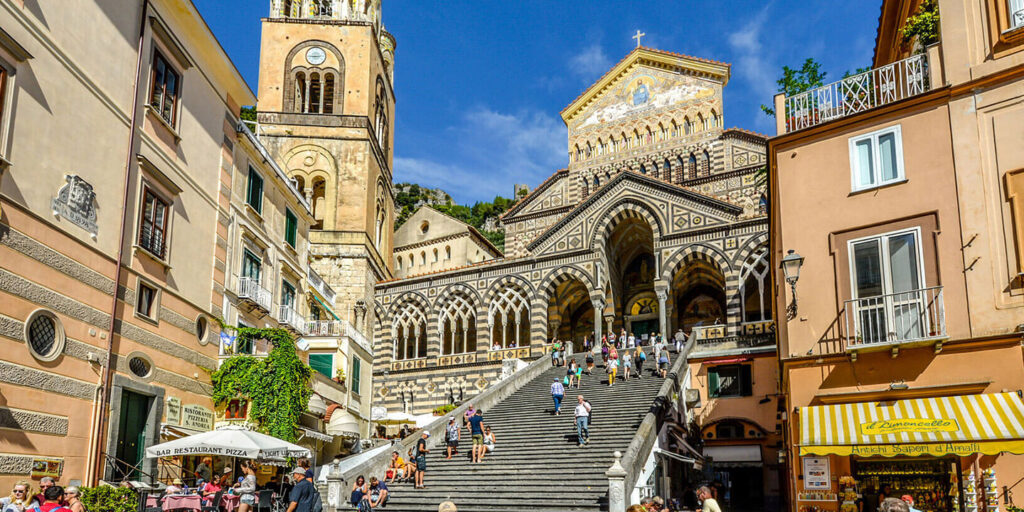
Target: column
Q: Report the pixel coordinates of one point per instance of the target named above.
(598, 319)
(616, 485)
(661, 290)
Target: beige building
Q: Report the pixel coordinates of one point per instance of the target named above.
(430, 241)
(898, 189)
(136, 191)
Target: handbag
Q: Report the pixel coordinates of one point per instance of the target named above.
(565, 380)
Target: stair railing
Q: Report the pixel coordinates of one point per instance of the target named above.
(640, 447)
(483, 401)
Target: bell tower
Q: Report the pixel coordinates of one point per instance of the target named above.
(326, 114)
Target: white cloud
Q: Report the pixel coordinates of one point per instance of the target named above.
(487, 152)
(590, 62)
(753, 63)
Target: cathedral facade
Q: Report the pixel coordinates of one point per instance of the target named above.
(657, 224)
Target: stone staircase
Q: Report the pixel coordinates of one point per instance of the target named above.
(536, 464)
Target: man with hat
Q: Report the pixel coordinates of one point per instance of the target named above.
(421, 459)
(302, 495)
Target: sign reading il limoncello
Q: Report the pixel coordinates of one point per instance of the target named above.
(908, 426)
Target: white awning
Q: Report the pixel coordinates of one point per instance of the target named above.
(229, 442)
(734, 453)
(313, 434)
(343, 423)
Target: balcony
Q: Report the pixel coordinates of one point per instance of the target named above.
(249, 290)
(858, 93)
(291, 320)
(337, 328)
(910, 318)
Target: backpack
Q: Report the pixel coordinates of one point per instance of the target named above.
(643, 355)
(317, 505)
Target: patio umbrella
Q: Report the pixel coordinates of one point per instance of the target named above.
(229, 442)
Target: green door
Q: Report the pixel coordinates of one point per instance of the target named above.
(131, 431)
(641, 327)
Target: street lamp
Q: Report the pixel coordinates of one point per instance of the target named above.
(791, 264)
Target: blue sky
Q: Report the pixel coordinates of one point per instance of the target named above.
(479, 84)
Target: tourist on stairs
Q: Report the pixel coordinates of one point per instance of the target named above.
(582, 414)
(557, 393)
(612, 365)
(476, 426)
(640, 357)
(579, 374)
(627, 363)
(489, 441)
(421, 459)
(590, 363)
(663, 363)
(570, 372)
(452, 437)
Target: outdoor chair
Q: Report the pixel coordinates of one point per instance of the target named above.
(214, 505)
(159, 502)
(266, 501)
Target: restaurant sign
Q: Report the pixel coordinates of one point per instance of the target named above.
(173, 411)
(196, 417)
(962, 449)
(908, 426)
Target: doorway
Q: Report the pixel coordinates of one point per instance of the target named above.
(644, 329)
(131, 434)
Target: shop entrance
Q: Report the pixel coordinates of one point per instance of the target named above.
(932, 482)
(743, 484)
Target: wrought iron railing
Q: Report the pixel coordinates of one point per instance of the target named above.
(858, 93)
(250, 289)
(897, 318)
(291, 318)
(337, 328)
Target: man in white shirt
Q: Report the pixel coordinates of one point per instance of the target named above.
(680, 340)
(582, 414)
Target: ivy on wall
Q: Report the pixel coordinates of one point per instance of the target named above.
(277, 386)
(923, 25)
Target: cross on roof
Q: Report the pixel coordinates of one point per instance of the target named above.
(638, 36)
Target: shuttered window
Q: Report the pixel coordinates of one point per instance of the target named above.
(730, 381)
(356, 364)
(323, 363)
(291, 227)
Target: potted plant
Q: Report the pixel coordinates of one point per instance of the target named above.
(339, 376)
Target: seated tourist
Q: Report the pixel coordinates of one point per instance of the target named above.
(396, 469)
(378, 493)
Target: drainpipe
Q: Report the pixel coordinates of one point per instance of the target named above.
(104, 410)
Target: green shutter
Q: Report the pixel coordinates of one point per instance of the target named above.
(323, 363)
(712, 383)
(746, 384)
(355, 374)
(255, 191)
(291, 227)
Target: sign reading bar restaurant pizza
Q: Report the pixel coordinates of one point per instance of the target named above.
(196, 417)
(908, 425)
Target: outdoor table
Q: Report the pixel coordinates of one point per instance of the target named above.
(229, 502)
(180, 501)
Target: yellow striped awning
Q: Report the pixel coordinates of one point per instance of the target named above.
(986, 423)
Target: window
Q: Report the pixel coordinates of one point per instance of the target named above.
(435, 256)
(153, 228)
(254, 191)
(244, 347)
(322, 363)
(729, 381)
(163, 96)
(4, 76)
(202, 327)
(447, 252)
(356, 368)
(145, 301)
(291, 227)
(44, 334)
(287, 294)
(887, 280)
(876, 158)
(729, 430)
(1016, 13)
(251, 266)
(399, 263)
(140, 366)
